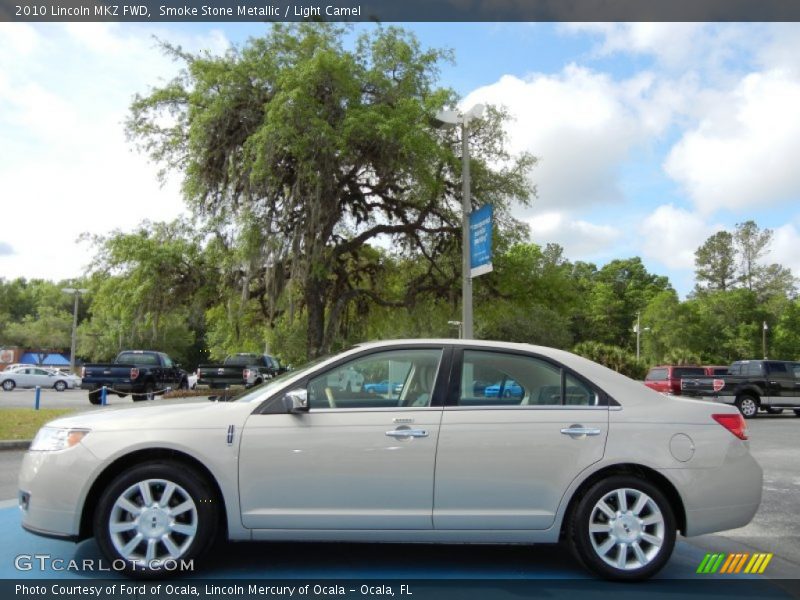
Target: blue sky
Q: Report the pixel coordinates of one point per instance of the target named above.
(652, 137)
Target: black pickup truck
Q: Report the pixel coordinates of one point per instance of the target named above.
(752, 385)
(141, 373)
(243, 369)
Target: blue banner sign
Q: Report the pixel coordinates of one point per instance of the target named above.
(480, 241)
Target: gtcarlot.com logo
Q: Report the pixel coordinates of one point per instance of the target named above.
(734, 563)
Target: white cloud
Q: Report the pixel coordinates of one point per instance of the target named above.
(580, 239)
(672, 44)
(581, 124)
(783, 250)
(65, 163)
(744, 154)
(670, 235)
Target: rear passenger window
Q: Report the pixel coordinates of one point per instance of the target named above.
(656, 375)
(499, 379)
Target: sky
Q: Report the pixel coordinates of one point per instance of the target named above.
(651, 137)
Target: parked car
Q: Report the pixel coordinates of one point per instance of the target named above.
(503, 389)
(243, 369)
(141, 373)
(382, 387)
(752, 385)
(585, 456)
(27, 377)
(667, 378)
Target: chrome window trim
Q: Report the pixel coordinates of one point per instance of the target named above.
(527, 407)
(374, 409)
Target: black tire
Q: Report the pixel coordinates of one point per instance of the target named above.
(797, 412)
(640, 557)
(9, 384)
(95, 396)
(60, 386)
(149, 388)
(190, 532)
(747, 405)
(774, 411)
(184, 384)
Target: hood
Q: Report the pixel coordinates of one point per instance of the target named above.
(166, 414)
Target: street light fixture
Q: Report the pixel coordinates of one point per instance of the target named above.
(452, 118)
(457, 325)
(77, 293)
(638, 329)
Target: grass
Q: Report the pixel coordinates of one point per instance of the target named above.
(23, 423)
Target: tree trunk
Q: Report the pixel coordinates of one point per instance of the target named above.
(315, 306)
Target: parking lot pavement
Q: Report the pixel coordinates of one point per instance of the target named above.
(330, 561)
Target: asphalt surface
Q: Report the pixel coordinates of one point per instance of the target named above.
(49, 398)
(775, 442)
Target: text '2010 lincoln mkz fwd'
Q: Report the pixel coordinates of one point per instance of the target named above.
(562, 450)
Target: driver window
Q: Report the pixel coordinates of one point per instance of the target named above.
(398, 378)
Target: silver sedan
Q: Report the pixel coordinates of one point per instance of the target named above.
(25, 376)
(583, 456)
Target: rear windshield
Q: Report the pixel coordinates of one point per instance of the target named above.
(657, 375)
(679, 372)
(137, 358)
(242, 360)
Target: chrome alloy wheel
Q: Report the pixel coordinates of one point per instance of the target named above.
(153, 520)
(627, 529)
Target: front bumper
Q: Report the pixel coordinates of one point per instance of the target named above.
(53, 485)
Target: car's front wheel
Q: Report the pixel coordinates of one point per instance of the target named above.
(154, 516)
(623, 528)
(60, 386)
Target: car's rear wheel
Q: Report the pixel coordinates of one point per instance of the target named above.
(774, 411)
(623, 528)
(153, 514)
(95, 397)
(9, 384)
(797, 412)
(60, 386)
(747, 405)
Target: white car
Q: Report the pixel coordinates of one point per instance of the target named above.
(27, 377)
(583, 455)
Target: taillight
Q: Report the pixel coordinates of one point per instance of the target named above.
(246, 374)
(134, 373)
(83, 372)
(733, 423)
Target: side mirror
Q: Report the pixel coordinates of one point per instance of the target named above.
(296, 401)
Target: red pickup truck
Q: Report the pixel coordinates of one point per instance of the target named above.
(667, 378)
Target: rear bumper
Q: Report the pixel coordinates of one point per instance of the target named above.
(721, 498)
(114, 386)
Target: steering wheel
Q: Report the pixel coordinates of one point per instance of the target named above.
(329, 396)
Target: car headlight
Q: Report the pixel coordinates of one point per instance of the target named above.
(52, 439)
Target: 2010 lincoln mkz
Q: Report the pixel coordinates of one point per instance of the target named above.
(562, 450)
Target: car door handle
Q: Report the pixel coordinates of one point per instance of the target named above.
(578, 430)
(407, 433)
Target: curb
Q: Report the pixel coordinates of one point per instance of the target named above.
(15, 444)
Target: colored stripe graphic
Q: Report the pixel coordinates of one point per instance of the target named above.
(733, 563)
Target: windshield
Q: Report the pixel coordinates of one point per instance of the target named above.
(260, 392)
(137, 358)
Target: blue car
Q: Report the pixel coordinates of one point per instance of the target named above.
(510, 389)
(382, 387)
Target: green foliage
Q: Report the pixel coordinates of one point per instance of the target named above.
(613, 357)
(302, 155)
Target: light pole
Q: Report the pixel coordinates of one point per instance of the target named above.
(638, 329)
(77, 293)
(451, 118)
(764, 328)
